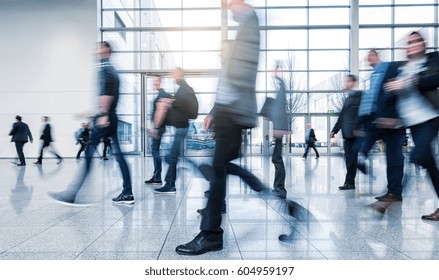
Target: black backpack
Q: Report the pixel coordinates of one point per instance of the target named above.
(192, 105)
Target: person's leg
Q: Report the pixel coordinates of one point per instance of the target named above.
(315, 150)
(395, 159)
(279, 169)
(172, 159)
(228, 144)
(116, 151)
(40, 158)
(351, 158)
(19, 148)
(306, 151)
(423, 134)
(157, 159)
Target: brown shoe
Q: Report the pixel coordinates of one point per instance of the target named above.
(432, 217)
(347, 187)
(390, 197)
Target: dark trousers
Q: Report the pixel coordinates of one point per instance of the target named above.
(172, 158)
(310, 145)
(51, 150)
(107, 145)
(279, 167)
(227, 148)
(423, 134)
(393, 138)
(81, 149)
(96, 136)
(19, 147)
(351, 147)
(155, 151)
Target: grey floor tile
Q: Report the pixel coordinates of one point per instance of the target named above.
(120, 255)
(219, 255)
(283, 255)
(38, 256)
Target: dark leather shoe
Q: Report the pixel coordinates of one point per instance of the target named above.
(432, 217)
(390, 197)
(199, 245)
(347, 187)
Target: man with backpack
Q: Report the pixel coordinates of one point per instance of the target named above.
(175, 112)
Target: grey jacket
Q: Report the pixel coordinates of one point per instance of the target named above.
(236, 87)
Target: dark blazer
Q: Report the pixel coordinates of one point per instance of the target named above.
(47, 134)
(177, 115)
(20, 132)
(428, 79)
(311, 138)
(348, 120)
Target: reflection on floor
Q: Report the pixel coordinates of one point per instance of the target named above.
(35, 227)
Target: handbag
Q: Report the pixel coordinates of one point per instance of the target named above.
(267, 108)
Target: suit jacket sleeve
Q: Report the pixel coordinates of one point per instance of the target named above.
(29, 134)
(429, 79)
(13, 130)
(337, 125)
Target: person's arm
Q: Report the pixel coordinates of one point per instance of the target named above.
(29, 134)
(13, 130)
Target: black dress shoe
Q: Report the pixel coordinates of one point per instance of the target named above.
(199, 245)
(21, 164)
(390, 197)
(347, 187)
(432, 217)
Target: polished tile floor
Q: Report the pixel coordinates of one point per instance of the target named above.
(32, 226)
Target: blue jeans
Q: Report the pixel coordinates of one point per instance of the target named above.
(155, 151)
(97, 134)
(172, 158)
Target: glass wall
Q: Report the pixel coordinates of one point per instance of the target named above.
(311, 39)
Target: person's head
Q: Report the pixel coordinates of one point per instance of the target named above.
(350, 82)
(238, 7)
(277, 69)
(18, 118)
(177, 74)
(45, 119)
(416, 46)
(373, 58)
(308, 125)
(104, 49)
(157, 80)
(84, 125)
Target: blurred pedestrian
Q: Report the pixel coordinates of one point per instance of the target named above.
(348, 122)
(234, 110)
(20, 135)
(46, 137)
(156, 141)
(105, 125)
(417, 104)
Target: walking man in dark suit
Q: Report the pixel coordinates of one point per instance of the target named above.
(349, 124)
(47, 139)
(310, 138)
(20, 134)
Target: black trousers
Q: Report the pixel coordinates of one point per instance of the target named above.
(227, 148)
(81, 149)
(44, 146)
(279, 167)
(19, 147)
(351, 148)
(310, 145)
